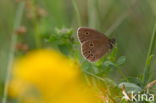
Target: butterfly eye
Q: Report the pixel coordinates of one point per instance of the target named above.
(86, 33)
(89, 52)
(91, 45)
(91, 55)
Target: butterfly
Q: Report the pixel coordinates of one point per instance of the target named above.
(94, 45)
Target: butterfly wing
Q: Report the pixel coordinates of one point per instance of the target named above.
(95, 49)
(93, 43)
(84, 34)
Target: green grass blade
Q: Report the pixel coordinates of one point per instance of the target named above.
(93, 14)
(17, 23)
(78, 17)
(149, 57)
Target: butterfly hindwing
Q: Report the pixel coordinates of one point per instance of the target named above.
(95, 49)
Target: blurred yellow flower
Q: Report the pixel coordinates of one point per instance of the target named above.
(46, 76)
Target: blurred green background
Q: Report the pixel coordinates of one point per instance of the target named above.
(129, 21)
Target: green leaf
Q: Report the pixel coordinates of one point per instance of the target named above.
(149, 59)
(135, 80)
(121, 60)
(130, 87)
(153, 90)
(64, 31)
(109, 64)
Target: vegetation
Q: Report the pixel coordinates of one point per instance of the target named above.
(28, 25)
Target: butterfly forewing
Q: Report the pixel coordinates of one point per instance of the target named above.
(85, 34)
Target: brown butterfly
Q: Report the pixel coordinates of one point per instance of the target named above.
(94, 44)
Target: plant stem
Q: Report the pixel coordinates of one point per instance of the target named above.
(36, 27)
(37, 35)
(149, 54)
(93, 75)
(101, 79)
(77, 13)
(92, 14)
(17, 23)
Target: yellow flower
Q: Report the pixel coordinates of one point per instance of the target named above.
(46, 76)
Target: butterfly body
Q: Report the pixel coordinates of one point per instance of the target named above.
(94, 44)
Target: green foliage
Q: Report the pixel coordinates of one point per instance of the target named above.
(129, 22)
(131, 87)
(60, 39)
